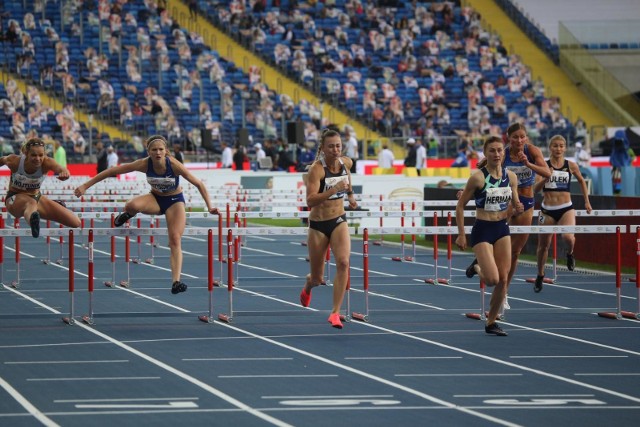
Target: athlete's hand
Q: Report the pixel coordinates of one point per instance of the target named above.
(519, 208)
(79, 192)
(63, 176)
(214, 211)
(461, 242)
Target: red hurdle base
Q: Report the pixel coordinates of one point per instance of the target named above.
(396, 258)
(224, 318)
(109, 284)
(344, 318)
(68, 320)
(545, 280)
(303, 243)
(436, 281)
(88, 320)
(608, 315)
(15, 285)
(377, 243)
(632, 279)
(359, 316)
(475, 316)
(124, 283)
(205, 319)
(630, 315)
(408, 258)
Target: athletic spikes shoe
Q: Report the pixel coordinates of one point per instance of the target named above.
(305, 298)
(178, 287)
(537, 287)
(495, 329)
(34, 223)
(121, 219)
(571, 262)
(334, 319)
(471, 271)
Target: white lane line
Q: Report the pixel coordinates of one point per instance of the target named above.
(510, 364)
(262, 251)
(26, 404)
(523, 395)
(606, 374)
(63, 362)
(403, 358)
(372, 377)
(333, 396)
(253, 267)
(28, 298)
(94, 379)
(168, 405)
(238, 359)
(133, 399)
(184, 310)
(559, 356)
(206, 387)
(459, 375)
(278, 376)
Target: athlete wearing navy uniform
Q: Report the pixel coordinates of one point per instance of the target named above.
(494, 188)
(328, 181)
(28, 171)
(557, 208)
(163, 175)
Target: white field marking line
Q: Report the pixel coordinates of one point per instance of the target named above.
(35, 412)
(268, 239)
(166, 248)
(523, 395)
(459, 375)
(167, 269)
(513, 365)
(333, 396)
(64, 362)
(372, 377)
(513, 298)
(262, 251)
(206, 387)
(268, 270)
(94, 379)
(150, 298)
(608, 347)
(565, 357)
(606, 374)
(238, 359)
(594, 292)
(403, 358)
(257, 294)
(133, 399)
(278, 376)
(119, 288)
(360, 269)
(28, 298)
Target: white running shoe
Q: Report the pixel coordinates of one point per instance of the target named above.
(505, 304)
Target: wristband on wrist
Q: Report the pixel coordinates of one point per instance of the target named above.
(349, 193)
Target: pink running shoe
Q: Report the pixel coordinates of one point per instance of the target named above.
(305, 298)
(334, 319)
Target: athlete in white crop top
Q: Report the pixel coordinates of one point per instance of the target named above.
(28, 171)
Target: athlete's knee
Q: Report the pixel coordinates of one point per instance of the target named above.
(342, 263)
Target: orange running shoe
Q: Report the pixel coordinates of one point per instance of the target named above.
(334, 319)
(305, 298)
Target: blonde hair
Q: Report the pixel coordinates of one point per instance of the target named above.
(557, 137)
(154, 138)
(326, 133)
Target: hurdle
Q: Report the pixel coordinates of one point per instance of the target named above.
(364, 316)
(88, 318)
(619, 313)
(208, 318)
(435, 280)
(111, 283)
(70, 319)
(483, 313)
(381, 241)
(228, 317)
(401, 257)
(16, 283)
